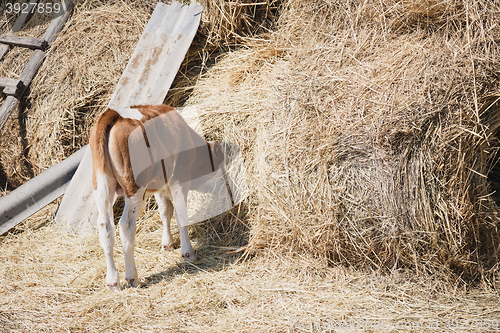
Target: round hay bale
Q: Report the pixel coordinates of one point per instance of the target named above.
(363, 133)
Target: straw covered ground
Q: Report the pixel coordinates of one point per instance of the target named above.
(370, 136)
(52, 282)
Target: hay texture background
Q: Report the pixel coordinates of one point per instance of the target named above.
(368, 128)
(370, 134)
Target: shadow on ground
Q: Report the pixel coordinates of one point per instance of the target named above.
(221, 242)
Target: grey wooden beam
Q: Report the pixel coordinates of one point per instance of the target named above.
(25, 16)
(9, 104)
(32, 67)
(28, 42)
(5, 82)
(30, 197)
(15, 94)
(58, 23)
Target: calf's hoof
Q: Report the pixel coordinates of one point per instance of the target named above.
(189, 256)
(114, 286)
(134, 283)
(168, 248)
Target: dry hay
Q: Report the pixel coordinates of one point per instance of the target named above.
(361, 122)
(364, 136)
(369, 130)
(226, 23)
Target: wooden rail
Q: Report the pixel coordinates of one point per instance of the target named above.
(30, 197)
(28, 42)
(23, 18)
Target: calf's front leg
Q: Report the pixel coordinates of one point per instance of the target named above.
(179, 197)
(166, 209)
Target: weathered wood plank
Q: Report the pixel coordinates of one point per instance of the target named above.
(32, 67)
(24, 17)
(158, 55)
(13, 91)
(27, 74)
(15, 94)
(38, 192)
(6, 82)
(28, 42)
(58, 23)
(7, 107)
(4, 49)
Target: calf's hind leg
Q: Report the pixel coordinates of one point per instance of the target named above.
(128, 223)
(179, 196)
(104, 201)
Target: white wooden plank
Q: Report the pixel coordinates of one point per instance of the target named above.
(77, 209)
(138, 59)
(170, 62)
(158, 55)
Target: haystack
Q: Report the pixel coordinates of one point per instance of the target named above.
(369, 128)
(364, 127)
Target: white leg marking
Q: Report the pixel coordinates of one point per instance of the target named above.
(106, 226)
(179, 196)
(128, 223)
(166, 209)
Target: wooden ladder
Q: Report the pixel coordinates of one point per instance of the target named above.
(14, 89)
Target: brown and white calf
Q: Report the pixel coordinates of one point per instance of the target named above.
(177, 164)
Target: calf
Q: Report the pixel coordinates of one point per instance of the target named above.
(152, 152)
